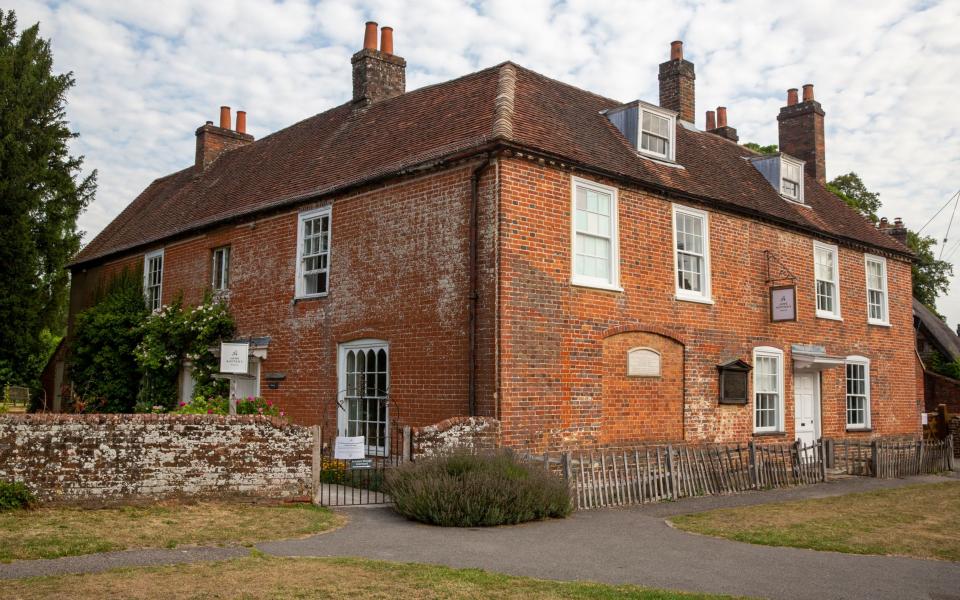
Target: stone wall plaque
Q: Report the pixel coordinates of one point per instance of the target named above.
(643, 362)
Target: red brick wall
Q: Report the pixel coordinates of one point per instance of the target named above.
(552, 361)
(938, 389)
(398, 272)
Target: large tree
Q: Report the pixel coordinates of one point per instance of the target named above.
(42, 194)
(851, 189)
(931, 277)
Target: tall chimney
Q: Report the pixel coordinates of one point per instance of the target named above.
(720, 127)
(801, 132)
(377, 74)
(212, 141)
(677, 83)
(711, 120)
(898, 231)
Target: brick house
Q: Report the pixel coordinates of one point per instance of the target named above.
(506, 245)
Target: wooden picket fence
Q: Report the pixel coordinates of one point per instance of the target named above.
(888, 458)
(651, 473)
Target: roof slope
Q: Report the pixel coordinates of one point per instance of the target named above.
(944, 337)
(343, 147)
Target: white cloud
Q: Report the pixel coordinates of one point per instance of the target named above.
(149, 74)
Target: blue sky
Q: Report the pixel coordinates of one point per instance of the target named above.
(148, 74)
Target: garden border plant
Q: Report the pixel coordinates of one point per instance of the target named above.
(463, 489)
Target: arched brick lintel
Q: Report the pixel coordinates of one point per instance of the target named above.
(637, 328)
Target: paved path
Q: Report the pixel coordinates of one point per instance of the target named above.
(630, 545)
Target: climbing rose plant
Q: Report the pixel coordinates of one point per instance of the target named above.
(174, 334)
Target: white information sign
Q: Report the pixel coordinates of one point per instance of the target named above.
(234, 358)
(924, 420)
(349, 448)
(643, 362)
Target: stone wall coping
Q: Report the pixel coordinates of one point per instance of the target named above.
(171, 419)
(453, 422)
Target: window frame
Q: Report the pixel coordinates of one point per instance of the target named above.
(823, 314)
(671, 117)
(865, 363)
(613, 284)
(147, 257)
(885, 306)
(704, 296)
(302, 217)
(799, 165)
(383, 395)
(769, 352)
(224, 270)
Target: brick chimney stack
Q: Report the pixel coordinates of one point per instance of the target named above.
(378, 74)
(719, 126)
(898, 231)
(801, 132)
(212, 141)
(676, 83)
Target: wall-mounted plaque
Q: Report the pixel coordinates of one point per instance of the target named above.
(733, 382)
(643, 362)
(783, 303)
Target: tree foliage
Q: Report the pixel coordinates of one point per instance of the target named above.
(771, 149)
(42, 195)
(851, 189)
(931, 277)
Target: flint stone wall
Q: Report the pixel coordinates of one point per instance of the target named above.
(105, 459)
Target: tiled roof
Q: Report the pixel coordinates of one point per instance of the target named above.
(943, 336)
(343, 147)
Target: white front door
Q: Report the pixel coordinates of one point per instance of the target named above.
(806, 389)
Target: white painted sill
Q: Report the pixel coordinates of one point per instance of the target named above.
(596, 286)
(829, 316)
(310, 297)
(879, 323)
(696, 299)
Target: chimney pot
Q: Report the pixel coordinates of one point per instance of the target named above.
(721, 116)
(898, 222)
(711, 120)
(241, 121)
(225, 117)
(386, 40)
(676, 50)
(807, 92)
(791, 96)
(370, 36)
(884, 223)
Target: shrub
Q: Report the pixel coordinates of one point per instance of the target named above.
(468, 490)
(15, 495)
(218, 405)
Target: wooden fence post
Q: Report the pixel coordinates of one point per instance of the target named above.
(752, 453)
(317, 464)
(823, 459)
(672, 473)
(950, 464)
(874, 458)
(407, 444)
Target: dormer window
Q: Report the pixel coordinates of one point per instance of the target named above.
(652, 130)
(791, 179)
(784, 172)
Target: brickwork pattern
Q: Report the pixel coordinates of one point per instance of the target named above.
(801, 135)
(677, 88)
(938, 389)
(551, 350)
(105, 459)
(377, 76)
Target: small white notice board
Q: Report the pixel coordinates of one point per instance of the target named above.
(349, 448)
(643, 362)
(234, 357)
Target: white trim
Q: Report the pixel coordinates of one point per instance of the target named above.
(225, 270)
(705, 296)
(867, 259)
(835, 315)
(342, 415)
(858, 360)
(671, 116)
(146, 271)
(768, 352)
(301, 217)
(800, 166)
(594, 282)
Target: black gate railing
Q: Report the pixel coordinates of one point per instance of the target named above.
(351, 482)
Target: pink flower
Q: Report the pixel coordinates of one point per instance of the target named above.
(249, 398)
(269, 403)
(183, 404)
(209, 411)
(281, 413)
(260, 410)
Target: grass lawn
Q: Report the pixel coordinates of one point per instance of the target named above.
(918, 520)
(55, 532)
(259, 576)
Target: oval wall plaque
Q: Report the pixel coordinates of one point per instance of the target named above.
(643, 362)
